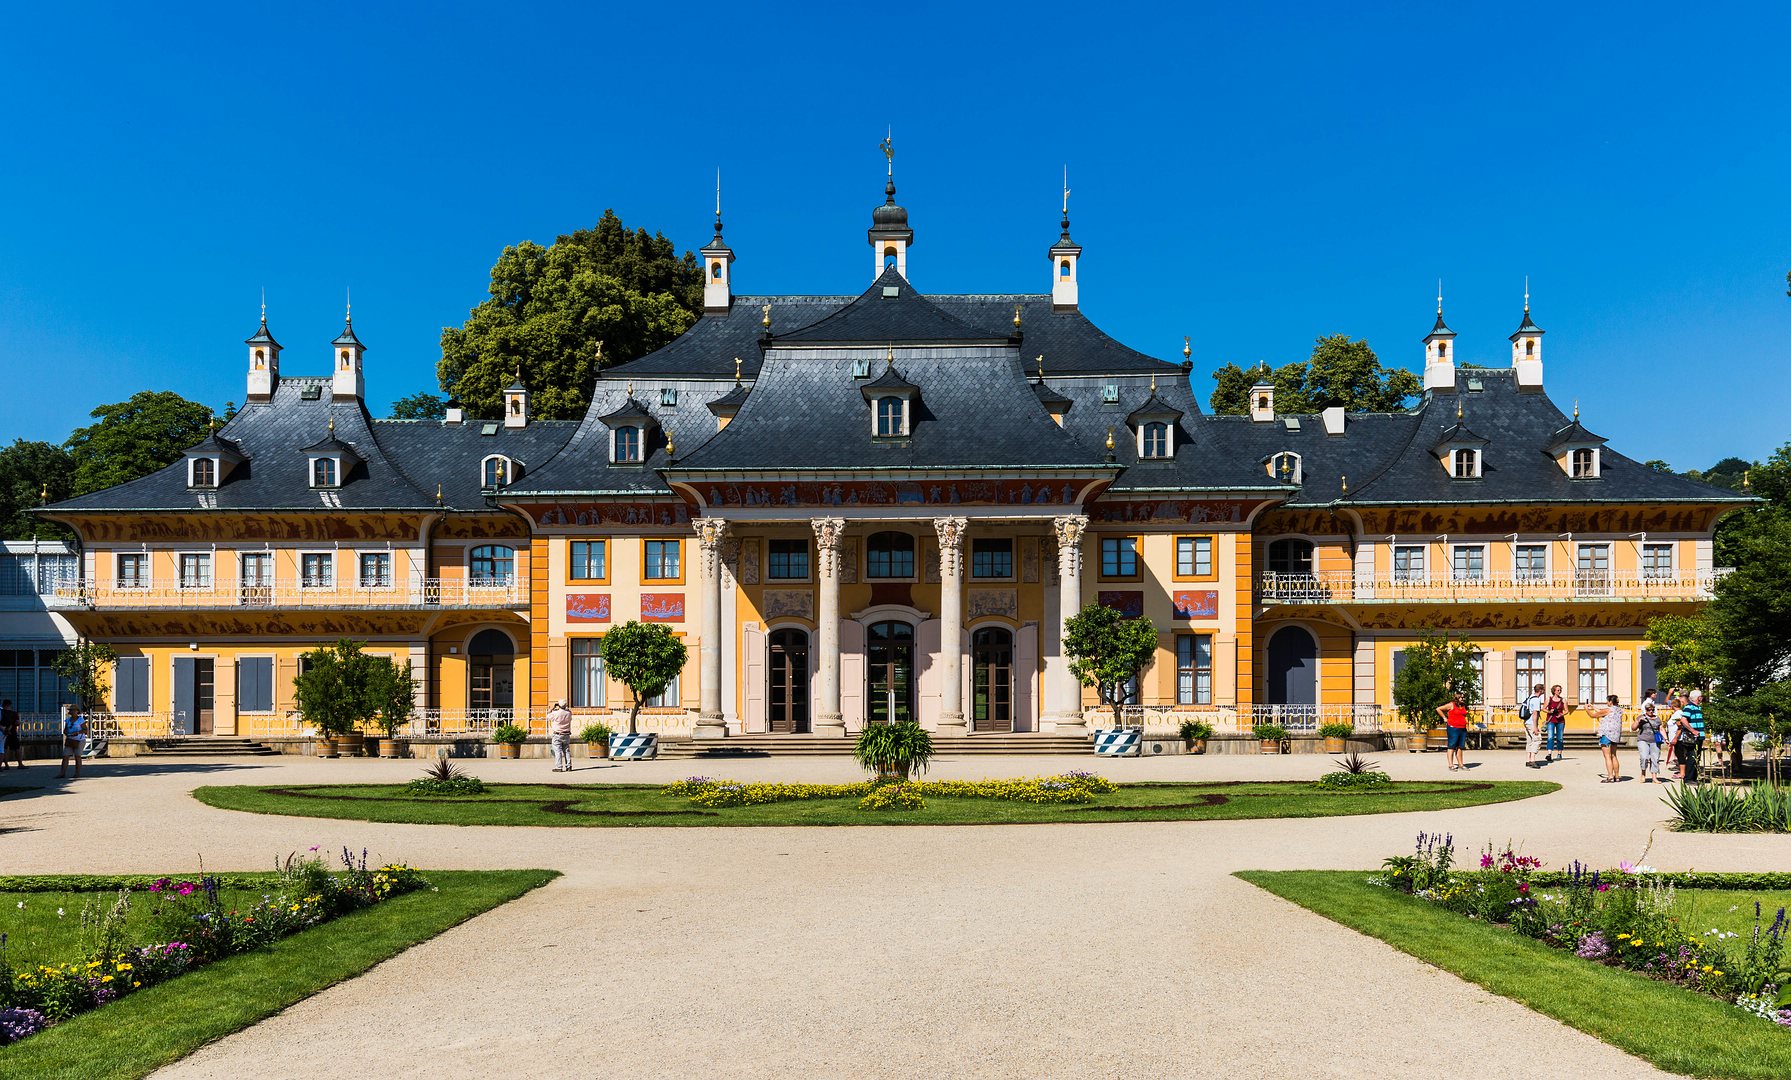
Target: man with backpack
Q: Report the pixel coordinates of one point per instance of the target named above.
(1530, 712)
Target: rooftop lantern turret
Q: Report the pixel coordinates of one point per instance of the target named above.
(718, 265)
(264, 360)
(1439, 353)
(516, 403)
(1064, 255)
(347, 380)
(1526, 349)
(889, 233)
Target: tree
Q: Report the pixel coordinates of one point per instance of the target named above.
(31, 474)
(85, 667)
(135, 438)
(343, 688)
(1107, 651)
(551, 308)
(421, 405)
(1436, 666)
(1339, 372)
(644, 657)
(1726, 473)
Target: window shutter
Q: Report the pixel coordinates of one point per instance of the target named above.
(131, 684)
(255, 684)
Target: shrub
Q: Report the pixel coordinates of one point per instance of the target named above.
(509, 733)
(892, 797)
(1348, 781)
(1193, 730)
(900, 750)
(596, 733)
(445, 778)
(1762, 807)
(1337, 729)
(1269, 732)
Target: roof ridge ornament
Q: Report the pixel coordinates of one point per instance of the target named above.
(1187, 347)
(736, 371)
(1041, 367)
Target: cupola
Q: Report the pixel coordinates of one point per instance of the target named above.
(1526, 350)
(718, 265)
(264, 362)
(516, 403)
(1262, 397)
(889, 233)
(1065, 256)
(1439, 353)
(347, 381)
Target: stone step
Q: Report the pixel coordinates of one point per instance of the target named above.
(208, 746)
(824, 746)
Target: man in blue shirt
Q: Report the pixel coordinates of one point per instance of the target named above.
(1691, 736)
(74, 739)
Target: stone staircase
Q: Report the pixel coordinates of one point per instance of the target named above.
(207, 746)
(755, 746)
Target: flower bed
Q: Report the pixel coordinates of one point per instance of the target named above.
(1624, 918)
(189, 923)
(1072, 788)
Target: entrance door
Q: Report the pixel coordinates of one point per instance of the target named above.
(193, 696)
(992, 681)
(889, 673)
(491, 691)
(257, 578)
(1293, 672)
(787, 679)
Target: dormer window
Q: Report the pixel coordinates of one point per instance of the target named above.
(498, 471)
(326, 472)
(626, 446)
(202, 472)
(1464, 464)
(1154, 440)
(891, 398)
(1285, 467)
(892, 417)
(1583, 463)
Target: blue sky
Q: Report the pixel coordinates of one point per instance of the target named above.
(1252, 176)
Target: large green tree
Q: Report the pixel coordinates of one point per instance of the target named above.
(421, 405)
(551, 307)
(135, 438)
(1339, 372)
(32, 473)
(1436, 666)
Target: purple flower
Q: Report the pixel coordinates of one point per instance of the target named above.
(16, 1024)
(1593, 947)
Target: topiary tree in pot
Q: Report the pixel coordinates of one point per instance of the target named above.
(342, 690)
(645, 657)
(1436, 666)
(1107, 650)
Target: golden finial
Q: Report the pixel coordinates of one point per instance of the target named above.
(889, 357)
(1576, 408)
(736, 371)
(1187, 347)
(600, 354)
(1041, 367)
(1747, 479)
(1458, 410)
(211, 423)
(888, 148)
(519, 371)
(630, 387)
(438, 493)
(1345, 480)
(669, 448)
(1016, 316)
(332, 425)
(766, 320)
(1109, 440)
(43, 492)
(1153, 382)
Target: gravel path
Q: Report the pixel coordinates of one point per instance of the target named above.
(1098, 950)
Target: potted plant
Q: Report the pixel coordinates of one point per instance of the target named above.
(645, 657)
(508, 738)
(393, 692)
(1194, 734)
(1108, 651)
(1336, 735)
(342, 689)
(894, 751)
(596, 737)
(1436, 666)
(1271, 738)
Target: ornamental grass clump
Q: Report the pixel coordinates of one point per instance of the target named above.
(894, 751)
(1760, 807)
(445, 778)
(1354, 773)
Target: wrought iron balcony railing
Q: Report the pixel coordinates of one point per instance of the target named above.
(1346, 588)
(507, 592)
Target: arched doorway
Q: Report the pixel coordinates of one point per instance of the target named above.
(1290, 556)
(786, 677)
(491, 666)
(1292, 670)
(889, 672)
(992, 679)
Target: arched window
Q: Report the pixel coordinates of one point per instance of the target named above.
(1063, 268)
(497, 471)
(1156, 440)
(1285, 467)
(205, 472)
(889, 257)
(344, 357)
(1584, 463)
(260, 356)
(1442, 348)
(715, 270)
(628, 444)
(491, 564)
(1466, 464)
(1291, 556)
(323, 472)
(889, 417)
(890, 555)
(1529, 346)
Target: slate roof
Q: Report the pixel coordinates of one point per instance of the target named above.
(1573, 434)
(890, 311)
(262, 337)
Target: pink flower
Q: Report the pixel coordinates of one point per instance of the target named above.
(185, 889)
(1486, 862)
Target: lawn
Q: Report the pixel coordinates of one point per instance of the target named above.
(146, 1030)
(1677, 1030)
(624, 805)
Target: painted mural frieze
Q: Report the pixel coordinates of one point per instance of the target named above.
(942, 492)
(984, 602)
(1176, 511)
(789, 603)
(635, 513)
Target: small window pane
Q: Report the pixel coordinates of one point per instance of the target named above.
(323, 472)
(788, 560)
(662, 560)
(991, 558)
(195, 571)
(492, 564)
(376, 569)
(317, 570)
(205, 472)
(890, 555)
(1194, 556)
(1119, 556)
(1194, 669)
(628, 444)
(590, 560)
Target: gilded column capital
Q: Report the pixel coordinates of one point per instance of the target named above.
(710, 532)
(1069, 529)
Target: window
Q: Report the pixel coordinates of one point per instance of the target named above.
(590, 560)
(255, 684)
(589, 689)
(130, 684)
(1583, 463)
(660, 560)
(787, 560)
(1595, 676)
(668, 397)
(317, 570)
(1657, 561)
(1110, 393)
(133, 570)
(889, 555)
(665, 699)
(1466, 464)
(1593, 560)
(323, 472)
(491, 564)
(1285, 467)
(1408, 563)
(1193, 669)
(1290, 556)
(1477, 661)
(889, 417)
(195, 571)
(715, 270)
(1532, 671)
(28, 678)
(1194, 557)
(1156, 440)
(496, 472)
(1063, 268)
(1442, 349)
(991, 558)
(1468, 562)
(376, 569)
(627, 444)
(205, 472)
(1119, 556)
(1530, 562)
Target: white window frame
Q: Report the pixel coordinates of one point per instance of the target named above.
(508, 466)
(1275, 466)
(669, 698)
(1592, 470)
(1418, 572)
(1519, 572)
(1144, 449)
(577, 685)
(1592, 675)
(640, 445)
(1650, 573)
(877, 415)
(335, 469)
(329, 558)
(1473, 461)
(1189, 689)
(360, 569)
(193, 472)
(1537, 671)
(140, 580)
(205, 561)
(1455, 574)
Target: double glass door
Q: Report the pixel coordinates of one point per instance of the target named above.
(992, 681)
(889, 673)
(257, 578)
(788, 676)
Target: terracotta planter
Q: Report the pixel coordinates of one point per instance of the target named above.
(1197, 746)
(1438, 739)
(347, 745)
(1268, 746)
(509, 750)
(598, 749)
(1335, 745)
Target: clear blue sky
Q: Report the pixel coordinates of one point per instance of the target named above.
(1253, 178)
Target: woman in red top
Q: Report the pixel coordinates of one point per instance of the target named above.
(1455, 718)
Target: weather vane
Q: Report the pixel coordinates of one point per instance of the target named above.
(888, 148)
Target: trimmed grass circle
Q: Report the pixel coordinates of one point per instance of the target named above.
(637, 805)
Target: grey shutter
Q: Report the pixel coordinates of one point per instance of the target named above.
(1647, 670)
(130, 691)
(255, 684)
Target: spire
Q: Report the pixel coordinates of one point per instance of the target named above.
(1065, 255)
(1439, 356)
(346, 380)
(1441, 325)
(718, 262)
(889, 234)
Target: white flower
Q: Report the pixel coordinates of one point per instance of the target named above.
(59, 913)
(21, 905)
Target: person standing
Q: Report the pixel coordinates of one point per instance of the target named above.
(1691, 736)
(10, 742)
(1455, 719)
(559, 733)
(1610, 735)
(1648, 738)
(74, 739)
(1669, 748)
(1554, 713)
(1530, 712)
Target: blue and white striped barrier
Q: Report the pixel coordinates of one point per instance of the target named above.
(1118, 742)
(634, 747)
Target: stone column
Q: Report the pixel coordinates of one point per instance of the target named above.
(828, 533)
(710, 532)
(1065, 702)
(951, 624)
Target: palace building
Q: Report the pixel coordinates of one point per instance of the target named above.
(863, 508)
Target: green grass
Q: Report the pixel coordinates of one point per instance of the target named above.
(1677, 1030)
(624, 805)
(45, 927)
(140, 1033)
(1725, 909)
